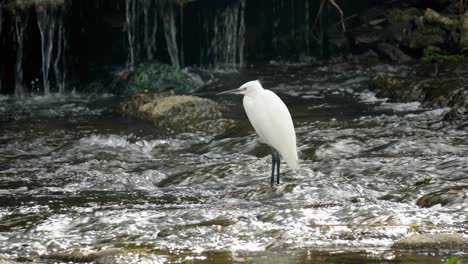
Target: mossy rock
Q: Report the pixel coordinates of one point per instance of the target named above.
(77, 254)
(403, 15)
(177, 113)
(159, 77)
(432, 16)
(433, 242)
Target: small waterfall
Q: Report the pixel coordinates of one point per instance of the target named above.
(1, 26)
(21, 22)
(60, 67)
(181, 5)
(141, 41)
(130, 11)
(241, 34)
(307, 27)
(1, 20)
(227, 44)
(167, 15)
(150, 17)
(46, 23)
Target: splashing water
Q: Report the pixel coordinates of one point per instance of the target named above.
(76, 177)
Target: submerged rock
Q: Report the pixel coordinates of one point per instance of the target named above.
(177, 113)
(431, 242)
(445, 197)
(77, 254)
(441, 92)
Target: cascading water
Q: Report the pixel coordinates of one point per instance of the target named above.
(21, 22)
(241, 34)
(46, 23)
(167, 15)
(307, 27)
(137, 40)
(130, 12)
(227, 44)
(151, 26)
(60, 59)
(1, 25)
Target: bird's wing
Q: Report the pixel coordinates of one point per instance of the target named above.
(273, 123)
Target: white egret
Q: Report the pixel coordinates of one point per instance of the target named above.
(272, 122)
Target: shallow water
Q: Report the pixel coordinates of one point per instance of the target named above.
(74, 176)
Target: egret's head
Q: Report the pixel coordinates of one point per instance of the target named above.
(246, 88)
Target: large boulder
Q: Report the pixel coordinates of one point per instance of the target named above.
(448, 196)
(433, 242)
(177, 113)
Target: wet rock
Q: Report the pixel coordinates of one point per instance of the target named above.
(441, 92)
(422, 37)
(445, 197)
(393, 53)
(430, 92)
(433, 242)
(77, 254)
(9, 261)
(432, 16)
(403, 15)
(177, 113)
(160, 77)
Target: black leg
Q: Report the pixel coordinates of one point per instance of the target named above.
(273, 162)
(278, 163)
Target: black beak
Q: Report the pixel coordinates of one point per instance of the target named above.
(233, 91)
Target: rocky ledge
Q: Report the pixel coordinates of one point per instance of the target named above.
(431, 92)
(177, 113)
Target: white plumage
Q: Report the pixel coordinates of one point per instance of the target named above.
(272, 121)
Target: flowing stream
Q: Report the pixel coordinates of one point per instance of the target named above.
(77, 177)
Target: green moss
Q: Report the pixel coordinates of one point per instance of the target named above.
(159, 77)
(452, 260)
(430, 55)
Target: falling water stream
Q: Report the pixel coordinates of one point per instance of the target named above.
(76, 178)
(21, 22)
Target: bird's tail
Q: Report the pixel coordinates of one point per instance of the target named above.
(292, 161)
